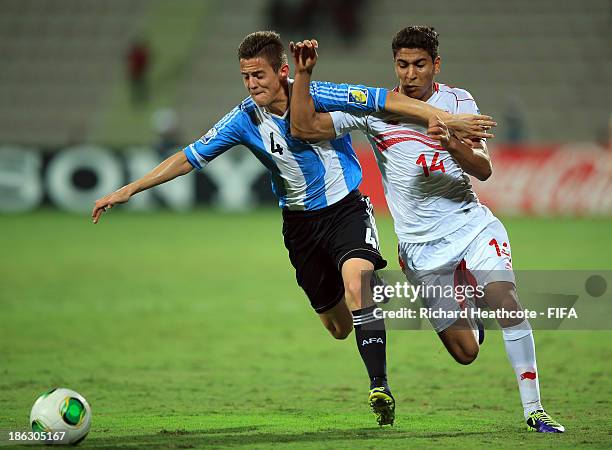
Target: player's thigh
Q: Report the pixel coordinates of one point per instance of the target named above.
(435, 285)
(338, 320)
(460, 341)
(352, 242)
(353, 234)
(489, 257)
(315, 270)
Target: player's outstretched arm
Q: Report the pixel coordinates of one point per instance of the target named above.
(466, 126)
(473, 158)
(306, 123)
(169, 169)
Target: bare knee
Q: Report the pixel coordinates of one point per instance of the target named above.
(502, 295)
(465, 354)
(354, 272)
(352, 292)
(460, 342)
(338, 321)
(340, 332)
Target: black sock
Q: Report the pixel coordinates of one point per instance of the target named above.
(372, 343)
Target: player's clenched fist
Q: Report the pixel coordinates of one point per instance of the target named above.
(108, 201)
(304, 54)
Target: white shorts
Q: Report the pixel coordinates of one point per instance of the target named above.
(476, 254)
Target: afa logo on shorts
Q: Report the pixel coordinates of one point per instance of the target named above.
(357, 95)
(208, 136)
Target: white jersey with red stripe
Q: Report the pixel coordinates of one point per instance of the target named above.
(428, 194)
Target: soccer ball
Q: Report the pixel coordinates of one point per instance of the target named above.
(61, 416)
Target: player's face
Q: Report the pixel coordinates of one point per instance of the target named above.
(265, 85)
(415, 71)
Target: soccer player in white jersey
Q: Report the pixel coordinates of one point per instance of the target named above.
(328, 226)
(445, 234)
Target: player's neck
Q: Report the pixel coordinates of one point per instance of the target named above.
(280, 104)
(426, 96)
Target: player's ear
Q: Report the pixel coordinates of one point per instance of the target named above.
(283, 72)
(436, 63)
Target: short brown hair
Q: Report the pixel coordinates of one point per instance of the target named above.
(266, 44)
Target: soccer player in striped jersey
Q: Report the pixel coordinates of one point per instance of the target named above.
(328, 226)
(445, 234)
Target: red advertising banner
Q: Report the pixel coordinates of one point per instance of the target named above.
(573, 179)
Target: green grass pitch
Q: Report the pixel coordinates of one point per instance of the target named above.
(188, 330)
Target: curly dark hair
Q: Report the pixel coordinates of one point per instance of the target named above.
(266, 44)
(416, 37)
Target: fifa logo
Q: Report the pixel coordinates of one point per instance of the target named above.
(358, 96)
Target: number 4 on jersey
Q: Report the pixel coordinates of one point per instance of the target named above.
(370, 238)
(275, 148)
(435, 165)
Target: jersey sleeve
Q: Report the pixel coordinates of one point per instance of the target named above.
(347, 97)
(224, 135)
(465, 102)
(345, 122)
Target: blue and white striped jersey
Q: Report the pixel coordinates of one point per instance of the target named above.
(305, 176)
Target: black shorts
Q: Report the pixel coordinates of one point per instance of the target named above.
(320, 241)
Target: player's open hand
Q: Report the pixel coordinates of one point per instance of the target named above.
(439, 131)
(107, 202)
(304, 54)
(469, 127)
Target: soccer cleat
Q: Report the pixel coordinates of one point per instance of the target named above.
(383, 405)
(541, 422)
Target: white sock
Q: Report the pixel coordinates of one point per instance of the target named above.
(520, 348)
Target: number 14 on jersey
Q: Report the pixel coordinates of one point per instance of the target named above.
(435, 165)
